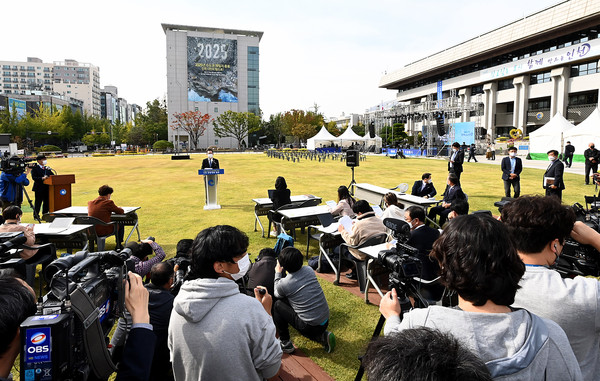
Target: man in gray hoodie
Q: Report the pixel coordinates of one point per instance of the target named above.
(478, 260)
(215, 332)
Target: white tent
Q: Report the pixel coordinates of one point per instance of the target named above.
(585, 132)
(376, 141)
(323, 137)
(549, 136)
(349, 137)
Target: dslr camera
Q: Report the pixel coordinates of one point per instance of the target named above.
(15, 165)
(67, 337)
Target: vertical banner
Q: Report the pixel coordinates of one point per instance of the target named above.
(212, 70)
(464, 132)
(440, 96)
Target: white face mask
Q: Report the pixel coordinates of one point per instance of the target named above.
(45, 162)
(244, 265)
(551, 158)
(455, 149)
(512, 154)
(210, 155)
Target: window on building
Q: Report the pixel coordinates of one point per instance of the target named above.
(505, 84)
(216, 109)
(538, 104)
(539, 78)
(584, 69)
(583, 98)
(477, 90)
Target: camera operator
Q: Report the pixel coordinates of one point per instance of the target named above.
(18, 302)
(479, 262)
(215, 332)
(140, 252)
(422, 354)
(11, 188)
(539, 227)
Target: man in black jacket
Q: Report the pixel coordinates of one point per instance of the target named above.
(592, 155)
(457, 158)
(453, 192)
(568, 157)
(39, 173)
(553, 178)
(424, 187)
(511, 171)
(210, 162)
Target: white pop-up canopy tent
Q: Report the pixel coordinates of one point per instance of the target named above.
(349, 137)
(585, 132)
(550, 136)
(322, 138)
(376, 141)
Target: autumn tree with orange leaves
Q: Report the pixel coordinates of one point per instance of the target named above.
(193, 123)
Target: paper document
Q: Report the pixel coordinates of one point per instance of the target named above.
(377, 210)
(331, 228)
(548, 181)
(346, 222)
(332, 204)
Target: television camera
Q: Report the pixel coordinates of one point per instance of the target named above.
(16, 165)
(67, 337)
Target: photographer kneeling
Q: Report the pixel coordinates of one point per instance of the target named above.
(539, 227)
(479, 262)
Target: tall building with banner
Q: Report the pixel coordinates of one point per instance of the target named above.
(514, 77)
(210, 70)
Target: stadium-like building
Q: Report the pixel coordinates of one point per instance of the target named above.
(211, 70)
(516, 76)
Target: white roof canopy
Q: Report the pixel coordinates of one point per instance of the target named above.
(550, 135)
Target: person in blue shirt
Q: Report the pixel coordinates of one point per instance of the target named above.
(11, 188)
(511, 171)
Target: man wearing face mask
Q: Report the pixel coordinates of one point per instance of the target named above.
(457, 157)
(553, 178)
(422, 238)
(210, 162)
(538, 227)
(215, 332)
(592, 156)
(39, 173)
(424, 188)
(453, 192)
(511, 170)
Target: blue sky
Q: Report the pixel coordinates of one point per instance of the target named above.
(332, 53)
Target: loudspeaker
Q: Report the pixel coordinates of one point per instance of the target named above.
(439, 121)
(372, 129)
(352, 158)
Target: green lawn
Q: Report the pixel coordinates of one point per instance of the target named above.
(171, 195)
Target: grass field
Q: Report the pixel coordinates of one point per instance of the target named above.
(171, 197)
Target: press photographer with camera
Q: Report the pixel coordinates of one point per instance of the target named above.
(18, 302)
(478, 260)
(216, 332)
(538, 227)
(12, 182)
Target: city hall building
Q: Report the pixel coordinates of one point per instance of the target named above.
(516, 76)
(210, 70)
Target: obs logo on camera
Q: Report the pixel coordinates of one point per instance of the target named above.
(38, 345)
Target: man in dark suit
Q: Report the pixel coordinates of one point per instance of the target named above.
(511, 170)
(39, 173)
(422, 238)
(453, 192)
(472, 153)
(568, 157)
(457, 157)
(553, 178)
(210, 162)
(424, 187)
(592, 156)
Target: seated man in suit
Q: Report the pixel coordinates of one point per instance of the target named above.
(422, 238)
(453, 192)
(424, 188)
(367, 225)
(210, 162)
(553, 178)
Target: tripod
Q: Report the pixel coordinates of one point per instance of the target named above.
(36, 215)
(352, 183)
(405, 289)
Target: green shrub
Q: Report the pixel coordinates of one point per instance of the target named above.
(162, 145)
(49, 148)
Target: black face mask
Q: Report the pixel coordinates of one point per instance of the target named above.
(592, 147)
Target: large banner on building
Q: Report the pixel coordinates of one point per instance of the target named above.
(18, 105)
(212, 70)
(464, 132)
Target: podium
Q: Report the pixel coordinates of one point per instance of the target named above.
(211, 187)
(59, 193)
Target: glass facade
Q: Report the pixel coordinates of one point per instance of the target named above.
(584, 69)
(253, 74)
(539, 78)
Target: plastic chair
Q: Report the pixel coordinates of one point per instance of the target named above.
(272, 213)
(100, 240)
(402, 187)
(361, 266)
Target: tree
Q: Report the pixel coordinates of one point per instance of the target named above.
(236, 125)
(359, 129)
(276, 128)
(393, 134)
(294, 120)
(333, 129)
(193, 123)
(154, 120)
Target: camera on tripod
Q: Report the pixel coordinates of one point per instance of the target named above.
(67, 338)
(15, 165)
(400, 260)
